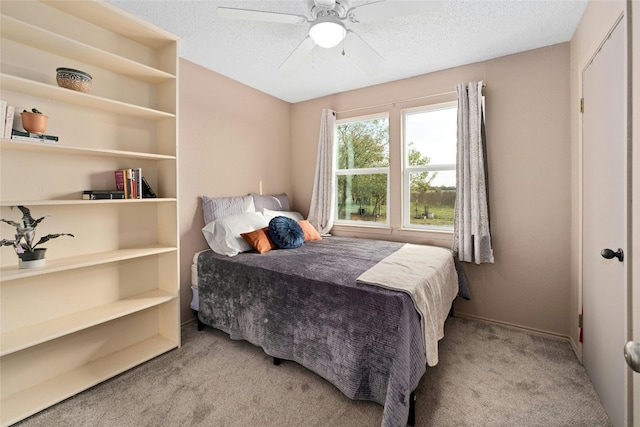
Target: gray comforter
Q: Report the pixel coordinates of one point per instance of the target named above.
(305, 305)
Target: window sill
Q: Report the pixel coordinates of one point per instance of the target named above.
(358, 230)
(442, 238)
(407, 235)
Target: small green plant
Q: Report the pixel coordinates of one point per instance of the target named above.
(26, 233)
(33, 110)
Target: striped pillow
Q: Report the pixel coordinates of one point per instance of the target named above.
(219, 207)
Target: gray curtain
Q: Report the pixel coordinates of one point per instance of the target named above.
(472, 236)
(323, 197)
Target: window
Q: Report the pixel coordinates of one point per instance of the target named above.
(429, 165)
(362, 170)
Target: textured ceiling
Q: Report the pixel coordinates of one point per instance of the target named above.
(456, 33)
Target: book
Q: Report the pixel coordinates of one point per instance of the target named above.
(120, 179)
(139, 183)
(28, 139)
(102, 194)
(8, 123)
(34, 137)
(129, 186)
(147, 192)
(3, 116)
(134, 183)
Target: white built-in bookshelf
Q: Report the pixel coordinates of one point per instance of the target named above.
(107, 299)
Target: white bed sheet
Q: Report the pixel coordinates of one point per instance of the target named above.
(194, 281)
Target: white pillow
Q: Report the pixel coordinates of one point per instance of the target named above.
(223, 235)
(269, 214)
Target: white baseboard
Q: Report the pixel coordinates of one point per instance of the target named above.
(520, 327)
(187, 322)
(577, 349)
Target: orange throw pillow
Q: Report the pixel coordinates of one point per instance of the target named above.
(310, 232)
(260, 240)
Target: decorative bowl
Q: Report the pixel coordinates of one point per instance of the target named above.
(73, 79)
(34, 123)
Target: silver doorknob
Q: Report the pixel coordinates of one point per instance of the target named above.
(632, 355)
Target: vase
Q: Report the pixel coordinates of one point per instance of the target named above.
(33, 259)
(34, 122)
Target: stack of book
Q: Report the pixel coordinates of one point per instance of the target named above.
(102, 195)
(129, 181)
(33, 137)
(130, 184)
(133, 184)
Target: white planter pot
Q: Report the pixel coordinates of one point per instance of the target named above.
(31, 264)
(32, 259)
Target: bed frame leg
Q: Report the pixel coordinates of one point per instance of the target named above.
(412, 409)
(200, 325)
(277, 361)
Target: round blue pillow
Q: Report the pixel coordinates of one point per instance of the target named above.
(286, 233)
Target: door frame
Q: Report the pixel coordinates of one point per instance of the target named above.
(634, 60)
(630, 240)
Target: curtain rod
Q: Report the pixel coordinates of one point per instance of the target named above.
(402, 101)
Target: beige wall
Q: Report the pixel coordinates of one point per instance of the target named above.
(529, 176)
(231, 138)
(230, 130)
(597, 21)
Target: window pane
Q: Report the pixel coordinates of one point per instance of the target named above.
(431, 137)
(362, 198)
(363, 144)
(432, 205)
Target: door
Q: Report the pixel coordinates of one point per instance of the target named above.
(604, 139)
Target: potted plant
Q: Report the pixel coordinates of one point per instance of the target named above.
(29, 255)
(34, 121)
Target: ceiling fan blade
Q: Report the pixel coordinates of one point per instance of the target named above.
(259, 15)
(362, 53)
(382, 9)
(297, 56)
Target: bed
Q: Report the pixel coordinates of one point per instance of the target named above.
(324, 306)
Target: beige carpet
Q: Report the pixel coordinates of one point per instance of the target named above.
(488, 375)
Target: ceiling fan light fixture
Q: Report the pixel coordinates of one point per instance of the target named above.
(327, 32)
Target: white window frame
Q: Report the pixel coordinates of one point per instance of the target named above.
(363, 171)
(407, 169)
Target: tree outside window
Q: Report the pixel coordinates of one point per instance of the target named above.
(362, 170)
(428, 168)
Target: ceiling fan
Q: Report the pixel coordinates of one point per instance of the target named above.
(327, 26)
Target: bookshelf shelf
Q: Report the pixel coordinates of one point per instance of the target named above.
(79, 202)
(107, 299)
(111, 19)
(28, 336)
(81, 261)
(8, 144)
(51, 391)
(50, 41)
(55, 93)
